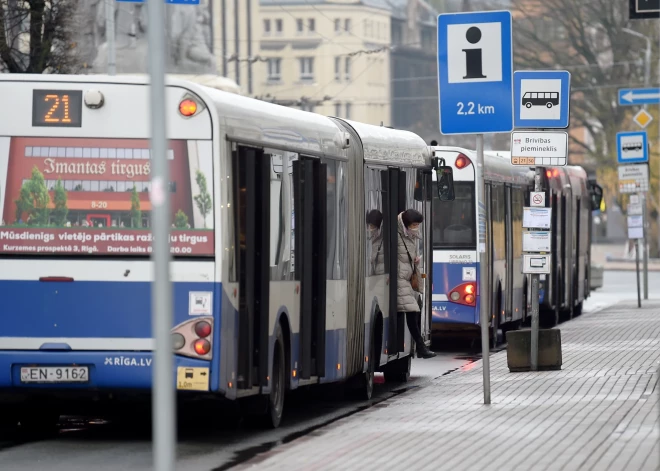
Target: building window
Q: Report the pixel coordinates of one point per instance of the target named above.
(274, 69)
(338, 68)
(347, 25)
(397, 34)
(266, 27)
(307, 107)
(278, 26)
(337, 26)
(348, 111)
(299, 26)
(306, 68)
(348, 68)
(337, 110)
(311, 25)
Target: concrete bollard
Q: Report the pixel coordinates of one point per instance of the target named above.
(518, 350)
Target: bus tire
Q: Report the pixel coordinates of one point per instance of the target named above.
(278, 382)
(398, 371)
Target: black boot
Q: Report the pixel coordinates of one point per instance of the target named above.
(422, 350)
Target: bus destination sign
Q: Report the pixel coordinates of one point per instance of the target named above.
(57, 108)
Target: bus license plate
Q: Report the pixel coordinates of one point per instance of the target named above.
(55, 374)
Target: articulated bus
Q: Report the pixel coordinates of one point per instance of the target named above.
(272, 286)
(461, 250)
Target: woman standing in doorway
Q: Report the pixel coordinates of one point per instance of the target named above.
(409, 282)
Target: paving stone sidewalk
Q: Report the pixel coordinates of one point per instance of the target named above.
(598, 413)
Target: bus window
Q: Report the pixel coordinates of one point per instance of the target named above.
(454, 223)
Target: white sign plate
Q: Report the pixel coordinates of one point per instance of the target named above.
(634, 209)
(633, 178)
(537, 218)
(539, 148)
(634, 199)
(537, 199)
(536, 263)
(635, 221)
(536, 241)
(635, 232)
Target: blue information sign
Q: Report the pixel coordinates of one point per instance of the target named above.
(475, 71)
(632, 147)
(639, 96)
(541, 99)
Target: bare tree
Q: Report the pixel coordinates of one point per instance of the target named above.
(36, 36)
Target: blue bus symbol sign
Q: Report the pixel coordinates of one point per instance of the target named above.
(632, 147)
(475, 72)
(542, 99)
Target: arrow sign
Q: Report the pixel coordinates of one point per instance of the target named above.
(639, 96)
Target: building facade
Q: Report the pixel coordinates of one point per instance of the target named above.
(235, 40)
(327, 56)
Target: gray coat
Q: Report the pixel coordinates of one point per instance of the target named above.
(377, 266)
(406, 300)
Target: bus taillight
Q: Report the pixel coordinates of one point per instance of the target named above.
(178, 341)
(203, 329)
(463, 294)
(187, 107)
(202, 346)
(462, 161)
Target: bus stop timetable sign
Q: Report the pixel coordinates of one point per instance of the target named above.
(541, 99)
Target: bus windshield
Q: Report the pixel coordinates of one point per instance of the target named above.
(454, 221)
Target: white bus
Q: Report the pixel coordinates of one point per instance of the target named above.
(271, 282)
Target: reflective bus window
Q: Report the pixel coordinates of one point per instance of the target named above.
(454, 224)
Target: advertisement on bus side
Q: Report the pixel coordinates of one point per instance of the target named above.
(83, 196)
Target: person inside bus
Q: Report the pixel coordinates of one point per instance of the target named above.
(409, 281)
(375, 235)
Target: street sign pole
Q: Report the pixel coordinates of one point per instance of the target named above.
(534, 340)
(639, 297)
(484, 303)
(110, 36)
(162, 390)
(645, 249)
(475, 84)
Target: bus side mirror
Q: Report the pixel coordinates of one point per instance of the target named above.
(444, 179)
(596, 195)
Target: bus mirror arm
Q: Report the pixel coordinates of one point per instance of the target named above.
(444, 179)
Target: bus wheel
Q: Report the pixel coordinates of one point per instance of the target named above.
(528, 105)
(398, 371)
(278, 383)
(549, 105)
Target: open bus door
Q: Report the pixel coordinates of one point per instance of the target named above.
(424, 194)
(251, 169)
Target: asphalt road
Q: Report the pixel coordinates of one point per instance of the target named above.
(208, 439)
(215, 440)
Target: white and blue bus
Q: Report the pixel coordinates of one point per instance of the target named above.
(272, 286)
(458, 259)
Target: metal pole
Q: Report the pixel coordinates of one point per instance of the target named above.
(163, 399)
(645, 249)
(639, 296)
(534, 334)
(110, 36)
(647, 80)
(484, 301)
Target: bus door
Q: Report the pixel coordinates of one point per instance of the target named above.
(424, 195)
(310, 186)
(251, 169)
